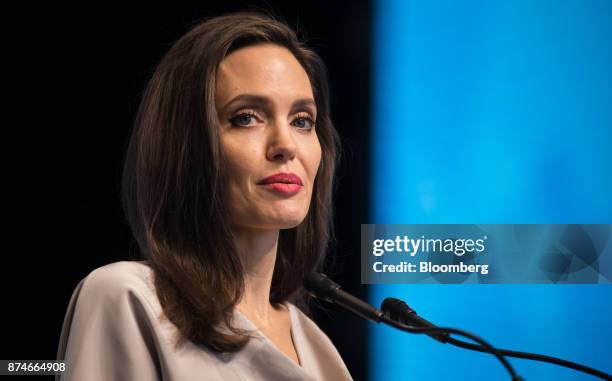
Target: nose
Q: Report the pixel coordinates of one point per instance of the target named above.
(281, 143)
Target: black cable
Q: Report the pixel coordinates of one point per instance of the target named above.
(533, 356)
(396, 313)
(399, 310)
(440, 330)
(320, 286)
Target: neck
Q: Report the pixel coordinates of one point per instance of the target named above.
(257, 251)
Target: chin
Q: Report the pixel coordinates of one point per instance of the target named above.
(287, 216)
(288, 221)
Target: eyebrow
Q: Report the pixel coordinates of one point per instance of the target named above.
(262, 100)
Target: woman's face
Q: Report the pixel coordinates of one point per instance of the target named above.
(266, 107)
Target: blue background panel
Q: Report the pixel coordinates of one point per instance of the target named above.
(493, 112)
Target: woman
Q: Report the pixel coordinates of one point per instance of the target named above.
(227, 187)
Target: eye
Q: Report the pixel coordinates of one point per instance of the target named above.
(243, 119)
(304, 122)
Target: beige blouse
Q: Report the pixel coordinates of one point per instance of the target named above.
(112, 332)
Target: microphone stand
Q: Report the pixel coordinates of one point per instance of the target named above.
(426, 330)
(400, 310)
(399, 315)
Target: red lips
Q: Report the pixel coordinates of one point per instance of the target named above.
(282, 178)
(282, 184)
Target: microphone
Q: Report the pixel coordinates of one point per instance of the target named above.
(398, 314)
(400, 311)
(320, 286)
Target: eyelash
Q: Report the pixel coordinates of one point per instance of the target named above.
(253, 115)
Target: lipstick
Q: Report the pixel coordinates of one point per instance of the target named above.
(282, 183)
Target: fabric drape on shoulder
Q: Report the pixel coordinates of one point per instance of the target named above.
(115, 329)
(106, 333)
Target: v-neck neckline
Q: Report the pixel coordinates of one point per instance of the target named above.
(293, 332)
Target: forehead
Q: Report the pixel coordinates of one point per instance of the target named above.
(266, 69)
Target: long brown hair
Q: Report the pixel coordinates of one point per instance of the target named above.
(174, 188)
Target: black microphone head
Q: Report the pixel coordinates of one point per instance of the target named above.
(398, 310)
(319, 285)
(395, 308)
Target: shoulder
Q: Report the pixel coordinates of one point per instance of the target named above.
(112, 298)
(115, 286)
(118, 277)
(113, 316)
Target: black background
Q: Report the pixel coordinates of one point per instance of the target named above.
(74, 76)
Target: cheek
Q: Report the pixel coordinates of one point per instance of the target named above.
(238, 182)
(314, 158)
(239, 159)
(238, 170)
